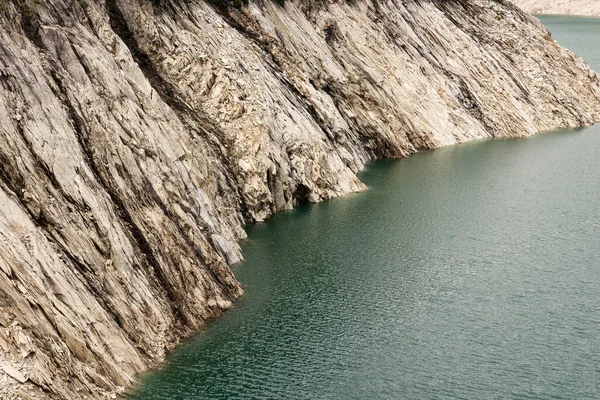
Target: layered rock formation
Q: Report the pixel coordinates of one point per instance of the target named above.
(565, 7)
(136, 139)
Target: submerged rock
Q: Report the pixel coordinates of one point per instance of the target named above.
(137, 138)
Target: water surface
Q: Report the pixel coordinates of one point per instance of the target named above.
(470, 272)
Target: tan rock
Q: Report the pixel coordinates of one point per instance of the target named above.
(14, 373)
(562, 7)
(135, 142)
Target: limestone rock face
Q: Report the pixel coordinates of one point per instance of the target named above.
(562, 7)
(138, 137)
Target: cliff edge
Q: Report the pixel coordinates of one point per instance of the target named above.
(138, 137)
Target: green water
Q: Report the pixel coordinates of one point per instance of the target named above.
(470, 272)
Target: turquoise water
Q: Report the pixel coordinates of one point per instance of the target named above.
(470, 272)
(580, 34)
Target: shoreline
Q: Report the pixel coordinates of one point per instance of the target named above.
(558, 131)
(575, 8)
(163, 145)
(127, 392)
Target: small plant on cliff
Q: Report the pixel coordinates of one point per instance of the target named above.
(223, 4)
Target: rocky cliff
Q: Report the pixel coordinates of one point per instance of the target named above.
(138, 137)
(565, 7)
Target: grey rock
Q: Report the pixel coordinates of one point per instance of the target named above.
(136, 141)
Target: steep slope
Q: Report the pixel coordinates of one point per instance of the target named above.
(566, 7)
(137, 138)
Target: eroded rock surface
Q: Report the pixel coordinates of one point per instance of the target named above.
(137, 137)
(562, 7)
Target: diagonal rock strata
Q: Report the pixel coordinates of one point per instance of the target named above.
(137, 138)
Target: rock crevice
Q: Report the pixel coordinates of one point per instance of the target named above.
(137, 138)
